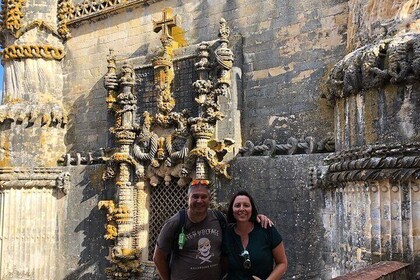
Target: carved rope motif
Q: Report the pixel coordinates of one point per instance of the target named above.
(393, 162)
(33, 51)
(16, 178)
(292, 146)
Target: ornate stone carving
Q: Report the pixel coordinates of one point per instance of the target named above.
(376, 65)
(89, 9)
(29, 113)
(292, 146)
(95, 157)
(64, 12)
(40, 177)
(377, 162)
(165, 146)
(111, 80)
(33, 51)
(63, 182)
(12, 15)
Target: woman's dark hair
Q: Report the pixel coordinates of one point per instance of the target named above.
(231, 218)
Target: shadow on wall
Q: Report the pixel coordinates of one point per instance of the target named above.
(85, 247)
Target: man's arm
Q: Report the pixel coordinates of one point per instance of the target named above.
(160, 258)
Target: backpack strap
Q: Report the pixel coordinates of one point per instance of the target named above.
(181, 223)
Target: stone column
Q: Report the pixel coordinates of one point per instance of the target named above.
(372, 179)
(32, 128)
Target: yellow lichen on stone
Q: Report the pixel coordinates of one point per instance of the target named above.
(178, 36)
(5, 150)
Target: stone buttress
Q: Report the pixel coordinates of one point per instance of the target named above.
(32, 127)
(371, 183)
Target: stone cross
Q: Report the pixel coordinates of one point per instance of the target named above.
(168, 21)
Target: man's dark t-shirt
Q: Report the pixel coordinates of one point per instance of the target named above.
(200, 257)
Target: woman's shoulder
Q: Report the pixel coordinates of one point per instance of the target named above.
(259, 227)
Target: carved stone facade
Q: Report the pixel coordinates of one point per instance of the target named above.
(166, 146)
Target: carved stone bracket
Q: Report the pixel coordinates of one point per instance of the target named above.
(270, 147)
(26, 112)
(372, 163)
(96, 157)
(395, 60)
(20, 178)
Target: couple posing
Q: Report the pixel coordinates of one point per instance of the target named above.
(198, 244)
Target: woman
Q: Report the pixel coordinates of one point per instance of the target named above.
(249, 249)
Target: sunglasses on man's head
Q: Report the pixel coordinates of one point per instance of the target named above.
(247, 260)
(199, 182)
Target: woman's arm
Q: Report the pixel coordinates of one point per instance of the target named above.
(281, 263)
(224, 265)
(280, 259)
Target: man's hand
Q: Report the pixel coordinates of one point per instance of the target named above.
(264, 221)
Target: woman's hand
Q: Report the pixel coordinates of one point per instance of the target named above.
(256, 278)
(264, 221)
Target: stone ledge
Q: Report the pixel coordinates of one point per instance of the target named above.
(91, 10)
(387, 270)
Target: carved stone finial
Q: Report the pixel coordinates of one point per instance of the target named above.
(224, 30)
(110, 79)
(166, 23)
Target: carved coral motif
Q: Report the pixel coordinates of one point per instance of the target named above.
(111, 226)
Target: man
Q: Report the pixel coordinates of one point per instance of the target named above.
(199, 258)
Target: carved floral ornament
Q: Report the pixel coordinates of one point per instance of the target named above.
(395, 60)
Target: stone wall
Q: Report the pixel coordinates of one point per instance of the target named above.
(281, 72)
(282, 191)
(84, 249)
